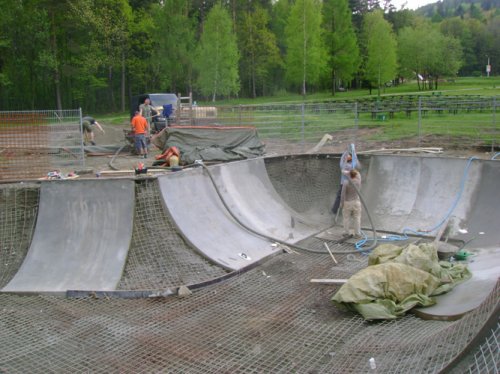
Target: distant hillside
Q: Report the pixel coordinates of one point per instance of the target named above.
(453, 8)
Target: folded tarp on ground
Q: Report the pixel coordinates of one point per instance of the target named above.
(211, 143)
(398, 279)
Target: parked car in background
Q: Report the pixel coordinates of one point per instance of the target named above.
(164, 108)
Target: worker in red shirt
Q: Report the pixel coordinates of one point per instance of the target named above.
(140, 128)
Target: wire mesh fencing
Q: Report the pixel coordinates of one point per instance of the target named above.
(33, 143)
(19, 208)
(393, 121)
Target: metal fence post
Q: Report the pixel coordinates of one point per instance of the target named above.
(302, 130)
(494, 124)
(419, 120)
(82, 149)
(239, 113)
(356, 121)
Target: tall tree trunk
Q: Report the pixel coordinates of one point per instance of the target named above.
(123, 83)
(304, 62)
(110, 88)
(333, 82)
(254, 90)
(57, 75)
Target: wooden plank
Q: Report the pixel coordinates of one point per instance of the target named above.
(329, 281)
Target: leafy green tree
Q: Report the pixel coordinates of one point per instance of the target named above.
(492, 38)
(143, 39)
(427, 54)
(106, 22)
(341, 42)
(173, 56)
(360, 8)
(381, 50)
(401, 18)
(259, 52)
(25, 61)
(279, 16)
(217, 56)
(306, 57)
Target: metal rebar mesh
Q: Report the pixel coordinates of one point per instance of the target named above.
(305, 182)
(159, 257)
(33, 143)
(487, 356)
(19, 207)
(270, 319)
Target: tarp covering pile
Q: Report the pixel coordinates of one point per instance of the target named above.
(398, 279)
(211, 143)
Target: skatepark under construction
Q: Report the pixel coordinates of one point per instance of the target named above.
(92, 270)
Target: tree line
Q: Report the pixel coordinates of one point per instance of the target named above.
(95, 54)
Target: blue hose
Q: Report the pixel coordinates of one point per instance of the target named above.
(495, 156)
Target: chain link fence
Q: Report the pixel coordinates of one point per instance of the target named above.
(391, 122)
(33, 143)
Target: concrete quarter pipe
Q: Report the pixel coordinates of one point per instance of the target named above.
(205, 223)
(81, 238)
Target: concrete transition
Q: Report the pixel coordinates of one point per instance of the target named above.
(205, 223)
(485, 269)
(81, 237)
(412, 193)
(83, 229)
(417, 192)
(249, 193)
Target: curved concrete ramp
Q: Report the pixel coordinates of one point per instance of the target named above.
(81, 237)
(249, 193)
(201, 217)
(485, 269)
(483, 221)
(417, 192)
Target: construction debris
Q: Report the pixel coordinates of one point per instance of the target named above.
(183, 291)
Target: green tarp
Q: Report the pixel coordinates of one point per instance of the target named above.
(211, 143)
(398, 279)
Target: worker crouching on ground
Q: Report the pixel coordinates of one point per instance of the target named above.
(140, 128)
(88, 132)
(351, 204)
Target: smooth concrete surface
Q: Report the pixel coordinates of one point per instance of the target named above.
(485, 269)
(417, 192)
(205, 223)
(482, 223)
(81, 238)
(250, 195)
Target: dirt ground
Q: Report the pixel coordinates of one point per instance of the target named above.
(115, 135)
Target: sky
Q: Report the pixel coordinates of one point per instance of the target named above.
(411, 4)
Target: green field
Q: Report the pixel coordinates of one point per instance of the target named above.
(469, 121)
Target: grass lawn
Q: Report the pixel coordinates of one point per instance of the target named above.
(274, 119)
